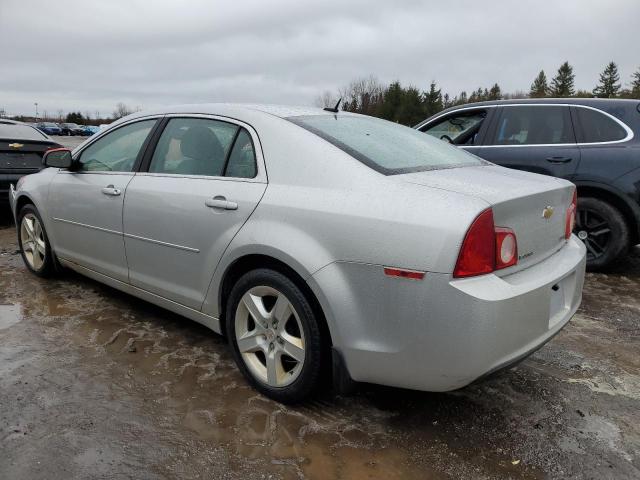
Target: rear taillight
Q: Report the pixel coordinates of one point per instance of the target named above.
(571, 216)
(486, 248)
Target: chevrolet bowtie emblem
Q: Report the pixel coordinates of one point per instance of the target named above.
(547, 213)
(16, 145)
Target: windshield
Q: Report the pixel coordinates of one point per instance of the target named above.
(47, 124)
(384, 146)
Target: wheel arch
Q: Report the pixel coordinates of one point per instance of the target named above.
(630, 213)
(253, 261)
(21, 201)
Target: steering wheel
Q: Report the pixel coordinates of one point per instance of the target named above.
(447, 138)
(93, 160)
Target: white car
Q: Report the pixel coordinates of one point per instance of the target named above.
(316, 241)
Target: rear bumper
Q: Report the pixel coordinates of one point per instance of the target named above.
(440, 333)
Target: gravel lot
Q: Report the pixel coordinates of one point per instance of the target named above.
(97, 384)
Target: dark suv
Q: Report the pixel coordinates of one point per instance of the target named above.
(595, 143)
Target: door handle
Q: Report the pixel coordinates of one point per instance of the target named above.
(221, 202)
(111, 191)
(559, 159)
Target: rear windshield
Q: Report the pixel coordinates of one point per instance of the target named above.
(20, 132)
(384, 146)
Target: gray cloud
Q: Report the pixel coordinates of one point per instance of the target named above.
(73, 55)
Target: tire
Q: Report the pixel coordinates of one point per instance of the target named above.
(264, 360)
(39, 260)
(603, 230)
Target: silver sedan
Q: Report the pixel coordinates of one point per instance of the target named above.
(320, 243)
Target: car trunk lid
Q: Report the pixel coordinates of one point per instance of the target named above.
(21, 156)
(533, 205)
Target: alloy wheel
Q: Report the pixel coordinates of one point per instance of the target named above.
(270, 336)
(594, 231)
(32, 241)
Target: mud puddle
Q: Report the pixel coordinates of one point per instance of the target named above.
(96, 384)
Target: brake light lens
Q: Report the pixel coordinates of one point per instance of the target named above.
(486, 248)
(571, 216)
(478, 253)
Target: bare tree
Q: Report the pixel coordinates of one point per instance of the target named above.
(364, 95)
(518, 94)
(60, 115)
(121, 111)
(327, 99)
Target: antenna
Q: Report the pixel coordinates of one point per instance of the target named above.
(334, 109)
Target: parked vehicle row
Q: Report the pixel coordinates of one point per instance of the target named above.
(594, 143)
(319, 242)
(66, 129)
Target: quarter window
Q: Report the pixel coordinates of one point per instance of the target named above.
(242, 161)
(594, 126)
(193, 146)
(534, 125)
(116, 151)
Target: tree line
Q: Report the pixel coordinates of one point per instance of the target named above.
(409, 105)
(121, 110)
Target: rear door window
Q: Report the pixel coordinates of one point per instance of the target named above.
(193, 146)
(534, 125)
(459, 128)
(594, 126)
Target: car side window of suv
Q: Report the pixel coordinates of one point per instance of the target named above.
(116, 151)
(194, 146)
(534, 125)
(459, 128)
(594, 127)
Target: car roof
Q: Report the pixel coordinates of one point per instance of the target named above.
(589, 102)
(241, 110)
(12, 130)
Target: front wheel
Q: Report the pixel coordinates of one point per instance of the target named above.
(603, 230)
(275, 336)
(34, 243)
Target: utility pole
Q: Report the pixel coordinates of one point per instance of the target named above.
(36, 104)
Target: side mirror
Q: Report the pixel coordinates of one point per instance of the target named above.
(58, 158)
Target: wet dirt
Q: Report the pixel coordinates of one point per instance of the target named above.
(97, 384)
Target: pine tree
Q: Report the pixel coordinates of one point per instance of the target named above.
(539, 87)
(433, 100)
(495, 93)
(392, 101)
(562, 84)
(635, 84)
(609, 85)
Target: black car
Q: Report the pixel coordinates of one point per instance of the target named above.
(595, 143)
(70, 129)
(21, 150)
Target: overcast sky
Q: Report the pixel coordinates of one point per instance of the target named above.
(90, 54)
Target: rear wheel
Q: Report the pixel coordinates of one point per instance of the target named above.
(34, 243)
(275, 336)
(603, 230)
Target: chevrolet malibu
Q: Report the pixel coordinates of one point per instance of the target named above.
(319, 242)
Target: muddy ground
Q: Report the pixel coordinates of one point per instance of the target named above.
(97, 384)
